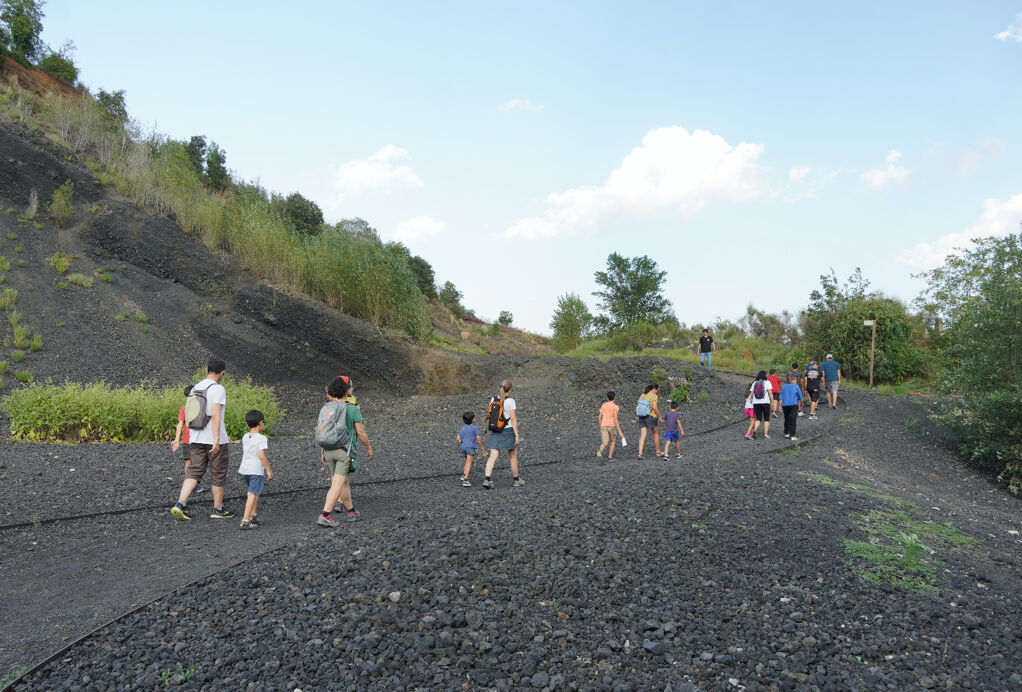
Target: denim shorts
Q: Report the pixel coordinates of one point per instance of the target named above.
(255, 482)
(671, 435)
(465, 451)
(649, 422)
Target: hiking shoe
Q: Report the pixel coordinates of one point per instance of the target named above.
(678, 457)
(794, 439)
(465, 483)
(248, 526)
(180, 512)
(488, 485)
(518, 483)
(199, 489)
(353, 515)
(222, 513)
(326, 521)
(801, 414)
(787, 435)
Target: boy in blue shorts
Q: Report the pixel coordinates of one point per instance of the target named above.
(672, 428)
(471, 443)
(253, 466)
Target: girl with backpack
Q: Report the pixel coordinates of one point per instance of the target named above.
(761, 396)
(649, 417)
(502, 422)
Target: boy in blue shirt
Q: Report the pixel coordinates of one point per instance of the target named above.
(471, 443)
(791, 396)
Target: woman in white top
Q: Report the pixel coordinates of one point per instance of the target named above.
(507, 438)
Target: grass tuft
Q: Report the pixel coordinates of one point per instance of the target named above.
(8, 297)
(80, 280)
(60, 261)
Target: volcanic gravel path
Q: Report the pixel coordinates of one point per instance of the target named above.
(723, 570)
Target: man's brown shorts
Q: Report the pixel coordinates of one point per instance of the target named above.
(217, 463)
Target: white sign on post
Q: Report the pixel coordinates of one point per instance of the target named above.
(869, 323)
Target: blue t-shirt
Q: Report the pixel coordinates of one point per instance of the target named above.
(791, 394)
(671, 421)
(830, 368)
(467, 435)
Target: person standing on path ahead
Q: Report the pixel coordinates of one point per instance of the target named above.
(502, 421)
(208, 444)
(706, 349)
(831, 379)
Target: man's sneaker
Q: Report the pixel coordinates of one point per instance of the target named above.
(518, 483)
(465, 483)
(800, 413)
(199, 489)
(326, 521)
(488, 485)
(222, 513)
(248, 526)
(794, 439)
(180, 512)
(765, 436)
(813, 417)
(678, 457)
(353, 515)
(787, 435)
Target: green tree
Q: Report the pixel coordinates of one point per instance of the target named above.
(505, 319)
(303, 215)
(24, 20)
(451, 297)
(424, 276)
(196, 150)
(114, 105)
(632, 292)
(978, 295)
(833, 323)
(572, 323)
(60, 64)
(216, 168)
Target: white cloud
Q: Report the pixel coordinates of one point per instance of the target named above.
(969, 160)
(672, 169)
(418, 228)
(893, 173)
(381, 172)
(798, 173)
(998, 219)
(520, 104)
(1013, 32)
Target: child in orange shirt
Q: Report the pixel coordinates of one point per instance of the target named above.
(609, 425)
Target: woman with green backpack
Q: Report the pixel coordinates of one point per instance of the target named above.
(649, 417)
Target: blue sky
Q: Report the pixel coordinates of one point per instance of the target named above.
(746, 147)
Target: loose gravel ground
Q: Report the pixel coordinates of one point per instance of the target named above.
(724, 570)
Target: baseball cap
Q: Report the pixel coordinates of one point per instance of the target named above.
(830, 356)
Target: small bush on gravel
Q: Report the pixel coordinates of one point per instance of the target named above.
(98, 412)
(80, 280)
(60, 261)
(3, 367)
(17, 356)
(60, 206)
(5, 264)
(23, 376)
(8, 298)
(21, 339)
(14, 317)
(104, 275)
(37, 343)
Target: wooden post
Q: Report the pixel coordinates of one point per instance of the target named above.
(872, 348)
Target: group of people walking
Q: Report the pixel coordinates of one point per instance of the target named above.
(201, 433)
(765, 395)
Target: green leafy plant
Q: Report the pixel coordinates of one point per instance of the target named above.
(23, 376)
(702, 397)
(12, 236)
(21, 339)
(60, 261)
(3, 367)
(17, 249)
(17, 355)
(145, 330)
(105, 275)
(63, 285)
(123, 317)
(37, 343)
(144, 413)
(60, 206)
(20, 263)
(5, 264)
(80, 280)
(140, 317)
(14, 317)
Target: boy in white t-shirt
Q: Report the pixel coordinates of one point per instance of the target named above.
(253, 463)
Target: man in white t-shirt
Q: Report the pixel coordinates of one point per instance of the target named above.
(209, 446)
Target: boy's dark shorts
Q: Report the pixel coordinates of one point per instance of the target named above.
(465, 451)
(217, 463)
(185, 451)
(777, 396)
(814, 395)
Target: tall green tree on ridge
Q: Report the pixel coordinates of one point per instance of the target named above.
(24, 20)
(632, 292)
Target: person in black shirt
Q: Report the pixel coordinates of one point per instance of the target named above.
(706, 349)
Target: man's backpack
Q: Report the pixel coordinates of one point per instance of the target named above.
(759, 389)
(196, 416)
(332, 425)
(495, 420)
(643, 408)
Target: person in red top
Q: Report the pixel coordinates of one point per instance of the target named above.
(775, 382)
(181, 438)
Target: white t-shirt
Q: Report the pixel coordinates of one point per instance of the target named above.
(765, 399)
(251, 464)
(215, 394)
(509, 406)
